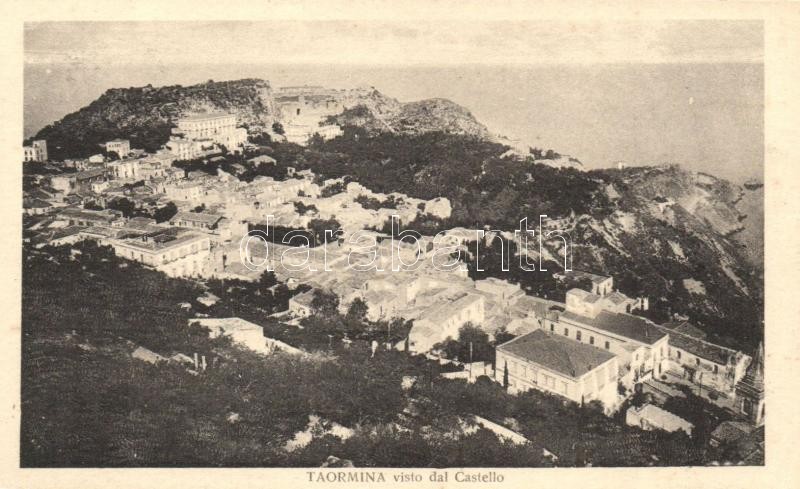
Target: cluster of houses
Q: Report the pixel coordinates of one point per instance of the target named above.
(590, 347)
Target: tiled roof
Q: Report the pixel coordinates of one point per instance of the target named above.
(203, 217)
(557, 353)
(686, 328)
(698, 347)
(444, 311)
(625, 325)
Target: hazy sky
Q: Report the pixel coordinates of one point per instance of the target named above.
(689, 92)
(396, 43)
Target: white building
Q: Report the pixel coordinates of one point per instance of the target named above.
(301, 133)
(218, 127)
(120, 146)
(444, 319)
(37, 151)
(124, 169)
(650, 417)
(183, 149)
(176, 254)
(555, 364)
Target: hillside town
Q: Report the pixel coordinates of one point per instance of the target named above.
(595, 345)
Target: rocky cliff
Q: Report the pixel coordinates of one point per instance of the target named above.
(145, 115)
(377, 113)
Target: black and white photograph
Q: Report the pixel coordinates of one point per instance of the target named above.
(449, 246)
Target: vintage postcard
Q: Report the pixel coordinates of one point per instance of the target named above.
(382, 247)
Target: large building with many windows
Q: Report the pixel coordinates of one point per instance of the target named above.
(218, 127)
(553, 363)
(37, 151)
(176, 252)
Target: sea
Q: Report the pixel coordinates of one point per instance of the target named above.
(705, 117)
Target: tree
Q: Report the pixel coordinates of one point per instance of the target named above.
(316, 140)
(277, 127)
(325, 303)
(502, 336)
(166, 213)
(357, 312)
(505, 374)
(123, 205)
(267, 280)
(318, 228)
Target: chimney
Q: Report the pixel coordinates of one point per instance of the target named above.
(195, 361)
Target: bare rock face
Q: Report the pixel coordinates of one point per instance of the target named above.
(377, 113)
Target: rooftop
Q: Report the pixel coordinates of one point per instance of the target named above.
(305, 298)
(443, 311)
(625, 325)
(578, 274)
(661, 418)
(226, 324)
(205, 116)
(164, 239)
(686, 328)
(203, 217)
(699, 347)
(557, 353)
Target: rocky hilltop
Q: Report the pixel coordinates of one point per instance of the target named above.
(145, 115)
(377, 113)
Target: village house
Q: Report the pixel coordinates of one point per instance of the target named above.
(37, 151)
(85, 217)
(703, 363)
(191, 192)
(74, 182)
(552, 363)
(502, 290)
(600, 285)
(300, 304)
(262, 160)
(120, 146)
(176, 252)
(214, 224)
(184, 149)
(639, 344)
(651, 417)
(244, 333)
(124, 169)
(444, 319)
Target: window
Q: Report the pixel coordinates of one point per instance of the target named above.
(564, 388)
(716, 369)
(608, 345)
(566, 331)
(697, 361)
(591, 340)
(679, 354)
(552, 327)
(578, 336)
